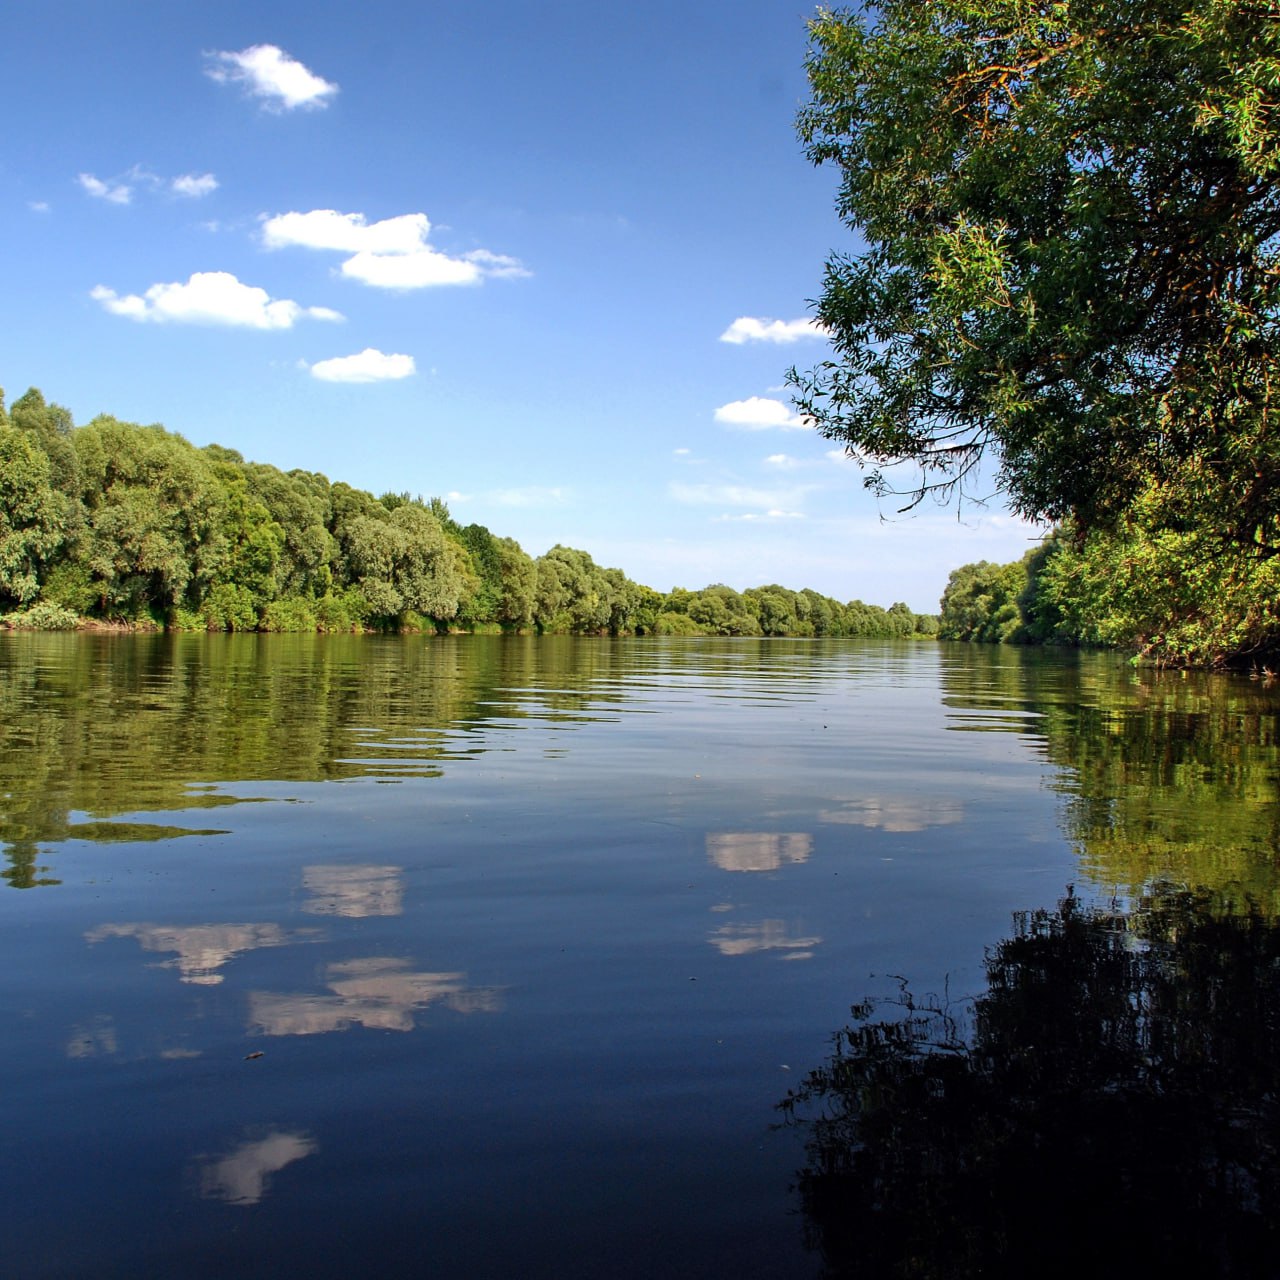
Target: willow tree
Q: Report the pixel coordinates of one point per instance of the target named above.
(1069, 215)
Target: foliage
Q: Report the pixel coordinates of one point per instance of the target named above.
(1072, 223)
(132, 523)
(1173, 596)
(1120, 1068)
(43, 616)
(33, 515)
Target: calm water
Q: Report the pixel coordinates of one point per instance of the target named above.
(494, 957)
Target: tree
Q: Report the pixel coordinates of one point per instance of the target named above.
(1071, 214)
(154, 517)
(33, 516)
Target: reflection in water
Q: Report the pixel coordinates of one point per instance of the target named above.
(98, 1036)
(202, 948)
(1113, 1097)
(897, 813)
(378, 993)
(768, 935)
(243, 1176)
(1163, 775)
(356, 890)
(757, 850)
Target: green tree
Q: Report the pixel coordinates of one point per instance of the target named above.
(1071, 215)
(33, 516)
(981, 602)
(154, 510)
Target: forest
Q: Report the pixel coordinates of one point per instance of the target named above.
(112, 523)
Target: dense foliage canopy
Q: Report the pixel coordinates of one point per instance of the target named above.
(1071, 214)
(134, 524)
(1177, 597)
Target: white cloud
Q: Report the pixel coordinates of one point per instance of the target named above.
(783, 461)
(681, 453)
(498, 265)
(38, 206)
(390, 254)
(369, 365)
(837, 455)
(753, 329)
(194, 185)
(210, 297)
(418, 270)
(759, 414)
(113, 192)
(346, 232)
(120, 189)
(271, 74)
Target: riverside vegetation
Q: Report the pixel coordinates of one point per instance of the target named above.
(1069, 265)
(118, 523)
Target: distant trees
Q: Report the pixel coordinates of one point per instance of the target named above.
(132, 523)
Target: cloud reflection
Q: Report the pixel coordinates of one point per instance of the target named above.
(757, 850)
(354, 890)
(768, 935)
(378, 992)
(92, 1038)
(243, 1176)
(898, 813)
(202, 949)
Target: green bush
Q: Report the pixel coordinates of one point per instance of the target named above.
(230, 607)
(292, 613)
(44, 616)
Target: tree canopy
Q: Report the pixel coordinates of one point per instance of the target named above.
(133, 524)
(1071, 217)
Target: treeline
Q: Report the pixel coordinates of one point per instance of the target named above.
(1178, 595)
(133, 524)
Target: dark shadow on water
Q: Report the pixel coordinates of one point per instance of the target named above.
(1110, 1105)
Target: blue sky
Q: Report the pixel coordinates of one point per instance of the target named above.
(492, 252)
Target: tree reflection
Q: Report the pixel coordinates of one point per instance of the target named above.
(1110, 1104)
(1163, 775)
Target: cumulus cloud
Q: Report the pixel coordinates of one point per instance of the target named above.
(783, 461)
(38, 206)
(210, 297)
(757, 413)
(194, 185)
(418, 270)
(346, 232)
(112, 192)
(762, 329)
(369, 365)
(269, 73)
(390, 254)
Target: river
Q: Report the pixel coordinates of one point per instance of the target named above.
(489, 956)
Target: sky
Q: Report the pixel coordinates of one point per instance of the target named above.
(550, 262)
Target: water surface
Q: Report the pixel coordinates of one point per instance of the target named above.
(489, 956)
